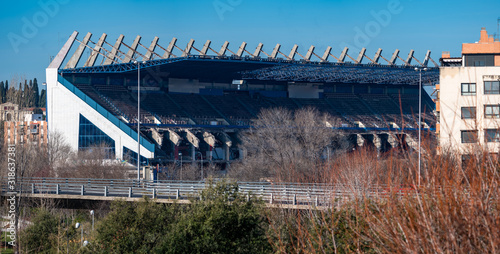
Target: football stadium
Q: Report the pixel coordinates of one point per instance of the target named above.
(191, 100)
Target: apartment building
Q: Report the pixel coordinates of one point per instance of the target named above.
(468, 100)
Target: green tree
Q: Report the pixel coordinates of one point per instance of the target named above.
(12, 95)
(35, 93)
(224, 221)
(1, 92)
(40, 236)
(43, 99)
(24, 94)
(133, 227)
(5, 89)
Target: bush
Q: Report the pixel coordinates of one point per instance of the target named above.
(41, 235)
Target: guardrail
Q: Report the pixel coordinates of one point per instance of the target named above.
(272, 193)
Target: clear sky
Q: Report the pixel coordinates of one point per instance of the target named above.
(33, 31)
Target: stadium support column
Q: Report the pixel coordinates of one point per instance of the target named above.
(210, 154)
(393, 141)
(360, 141)
(53, 115)
(377, 141)
(209, 138)
(195, 143)
(227, 143)
(226, 154)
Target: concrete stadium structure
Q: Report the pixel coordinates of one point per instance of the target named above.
(194, 104)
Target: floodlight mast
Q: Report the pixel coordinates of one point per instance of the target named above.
(138, 121)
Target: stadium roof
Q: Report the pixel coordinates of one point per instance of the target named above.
(179, 62)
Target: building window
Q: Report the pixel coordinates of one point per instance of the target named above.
(90, 137)
(469, 136)
(480, 60)
(468, 88)
(491, 87)
(479, 63)
(468, 112)
(131, 157)
(492, 135)
(491, 111)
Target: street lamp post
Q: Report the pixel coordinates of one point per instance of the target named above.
(77, 225)
(138, 120)
(419, 121)
(92, 213)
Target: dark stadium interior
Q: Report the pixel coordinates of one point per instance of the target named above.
(237, 107)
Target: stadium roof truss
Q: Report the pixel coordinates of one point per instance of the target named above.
(119, 57)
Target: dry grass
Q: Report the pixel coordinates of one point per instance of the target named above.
(456, 208)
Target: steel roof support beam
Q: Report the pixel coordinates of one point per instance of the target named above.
(95, 52)
(258, 50)
(326, 54)
(275, 51)
(112, 55)
(73, 61)
(132, 50)
(151, 49)
(426, 59)
(410, 56)
(343, 55)
(394, 57)
(361, 55)
(377, 56)
(223, 48)
(170, 47)
(309, 53)
(59, 59)
(240, 51)
(187, 51)
(292, 53)
(205, 48)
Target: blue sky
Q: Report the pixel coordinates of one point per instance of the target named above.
(388, 24)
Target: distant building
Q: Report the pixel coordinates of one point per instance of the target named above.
(23, 125)
(469, 97)
(11, 112)
(25, 132)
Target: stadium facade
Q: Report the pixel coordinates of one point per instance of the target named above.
(469, 97)
(194, 101)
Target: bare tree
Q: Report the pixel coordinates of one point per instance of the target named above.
(95, 162)
(57, 151)
(357, 172)
(285, 145)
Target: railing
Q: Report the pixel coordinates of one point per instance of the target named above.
(272, 193)
(113, 119)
